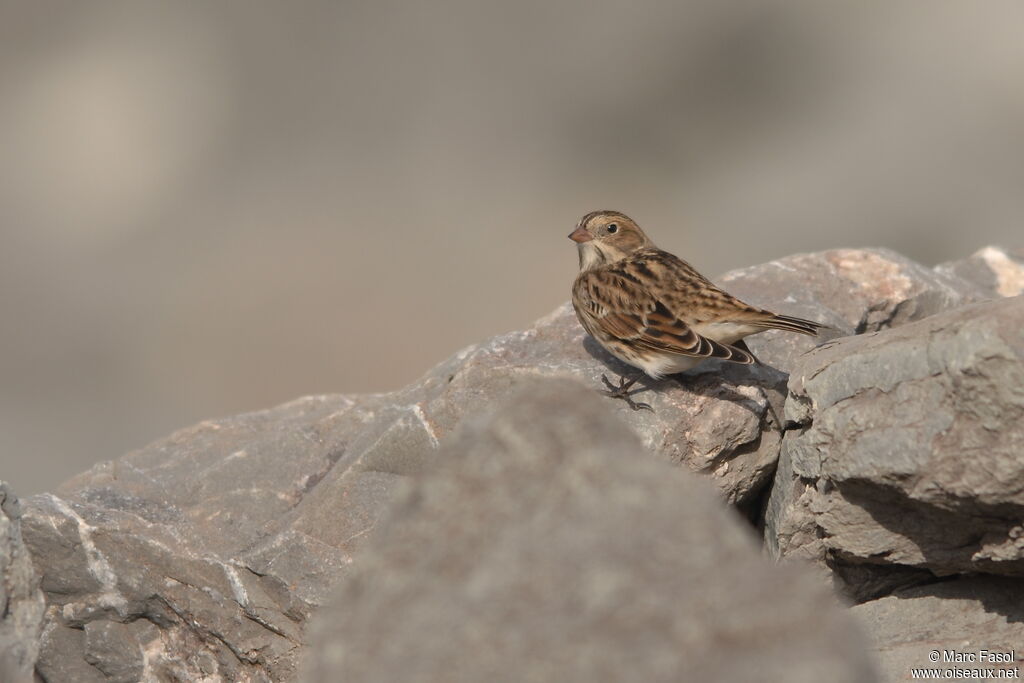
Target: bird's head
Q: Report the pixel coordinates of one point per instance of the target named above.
(605, 237)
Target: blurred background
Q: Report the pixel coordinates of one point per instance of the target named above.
(209, 208)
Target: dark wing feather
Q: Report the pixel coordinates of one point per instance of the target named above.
(689, 290)
(620, 306)
(791, 324)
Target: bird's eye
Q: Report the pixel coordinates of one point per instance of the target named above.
(613, 228)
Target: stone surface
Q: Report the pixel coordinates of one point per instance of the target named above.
(714, 419)
(207, 550)
(199, 535)
(853, 290)
(997, 271)
(227, 534)
(969, 616)
(118, 650)
(903, 452)
(547, 545)
(62, 657)
(21, 601)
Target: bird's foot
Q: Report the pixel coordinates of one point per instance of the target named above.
(622, 392)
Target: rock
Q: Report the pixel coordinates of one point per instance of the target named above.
(199, 535)
(62, 656)
(118, 650)
(982, 617)
(902, 459)
(224, 537)
(227, 534)
(853, 290)
(715, 419)
(547, 545)
(21, 601)
(996, 271)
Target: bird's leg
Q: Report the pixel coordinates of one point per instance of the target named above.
(622, 391)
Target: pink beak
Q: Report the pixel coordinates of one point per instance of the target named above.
(580, 235)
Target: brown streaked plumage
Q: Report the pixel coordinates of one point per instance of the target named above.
(652, 310)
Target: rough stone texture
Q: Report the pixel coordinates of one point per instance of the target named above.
(225, 535)
(997, 271)
(207, 550)
(202, 536)
(904, 452)
(62, 658)
(713, 419)
(21, 601)
(967, 615)
(549, 546)
(853, 290)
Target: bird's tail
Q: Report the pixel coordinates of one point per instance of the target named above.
(792, 324)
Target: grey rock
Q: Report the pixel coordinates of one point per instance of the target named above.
(853, 290)
(209, 536)
(62, 656)
(976, 616)
(226, 535)
(547, 545)
(211, 616)
(118, 650)
(715, 419)
(996, 271)
(902, 460)
(21, 601)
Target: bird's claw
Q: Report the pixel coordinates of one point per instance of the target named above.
(622, 392)
(637, 405)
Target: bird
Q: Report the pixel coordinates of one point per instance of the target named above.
(654, 311)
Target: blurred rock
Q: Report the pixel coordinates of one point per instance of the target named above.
(549, 546)
(997, 271)
(21, 601)
(903, 452)
(968, 615)
(853, 290)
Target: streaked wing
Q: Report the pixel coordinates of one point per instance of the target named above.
(688, 290)
(617, 302)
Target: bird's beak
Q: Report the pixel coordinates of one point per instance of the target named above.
(580, 235)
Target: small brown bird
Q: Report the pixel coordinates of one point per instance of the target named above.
(652, 310)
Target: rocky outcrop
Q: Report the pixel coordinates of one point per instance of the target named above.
(994, 270)
(226, 535)
(21, 601)
(203, 555)
(853, 290)
(551, 547)
(904, 451)
(972, 623)
(190, 558)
